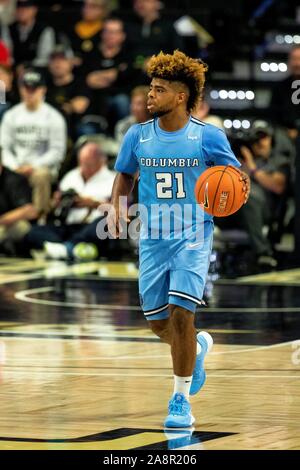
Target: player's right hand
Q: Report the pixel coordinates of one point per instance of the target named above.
(117, 219)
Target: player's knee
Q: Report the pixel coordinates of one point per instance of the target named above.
(182, 320)
(158, 327)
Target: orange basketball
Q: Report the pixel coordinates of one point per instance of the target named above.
(220, 191)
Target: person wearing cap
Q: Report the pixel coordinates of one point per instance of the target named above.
(33, 138)
(30, 41)
(67, 92)
(269, 173)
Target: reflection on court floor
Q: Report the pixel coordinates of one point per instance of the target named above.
(79, 369)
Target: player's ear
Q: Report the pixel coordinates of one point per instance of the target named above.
(182, 97)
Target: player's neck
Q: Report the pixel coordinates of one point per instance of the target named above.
(173, 121)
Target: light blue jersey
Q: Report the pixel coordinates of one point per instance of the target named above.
(169, 164)
(173, 269)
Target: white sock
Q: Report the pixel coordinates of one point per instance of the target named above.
(182, 385)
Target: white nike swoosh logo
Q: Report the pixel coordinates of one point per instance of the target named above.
(145, 140)
(192, 245)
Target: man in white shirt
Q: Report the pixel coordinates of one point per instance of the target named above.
(92, 181)
(33, 138)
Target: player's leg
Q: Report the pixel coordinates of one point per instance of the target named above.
(183, 340)
(183, 350)
(161, 328)
(187, 282)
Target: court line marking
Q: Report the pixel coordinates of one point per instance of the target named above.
(158, 356)
(116, 375)
(24, 297)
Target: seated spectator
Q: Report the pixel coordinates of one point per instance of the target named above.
(149, 32)
(84, 36)
(67, 93)
(109, 69)
(6, 83)
(7, 11)
(5, 58)
(138, 112)
(202, 113)
(269, 174)
(92, 181)
(30, 41)
(16, 208)
(33, 139)
(282, 109)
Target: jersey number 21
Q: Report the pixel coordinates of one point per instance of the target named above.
(165, 186)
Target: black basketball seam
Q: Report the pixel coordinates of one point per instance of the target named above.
(205, 182)
(233, 191)
(217, 189)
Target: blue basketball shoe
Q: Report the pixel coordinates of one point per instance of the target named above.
(180, 415)
(199, 374)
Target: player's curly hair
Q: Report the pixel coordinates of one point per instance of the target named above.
(178, 67)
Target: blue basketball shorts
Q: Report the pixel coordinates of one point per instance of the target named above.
(170, 273)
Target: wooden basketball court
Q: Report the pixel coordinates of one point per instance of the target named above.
(80, 370)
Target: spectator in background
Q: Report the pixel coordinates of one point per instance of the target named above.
(202, 113)
(92, 181)
(149, 32)
(84, 36)
(109, 71)
(66, 92)
(283, 111)
(16, 208)
(138, 112)
(30, 41)
(269, 174)
(7, 11)
(5, 58)
(6, 80)
(33, 138)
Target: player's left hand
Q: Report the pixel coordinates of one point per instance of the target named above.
(247, 185)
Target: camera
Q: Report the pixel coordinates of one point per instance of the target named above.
(60, 213)
(258, 131)
(238, 140)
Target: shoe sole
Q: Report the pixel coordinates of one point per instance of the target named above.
(174, 424)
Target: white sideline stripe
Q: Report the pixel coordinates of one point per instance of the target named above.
(23, 296)
(117, 374)
(157, 356)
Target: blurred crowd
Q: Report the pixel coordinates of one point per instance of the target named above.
(72, 77)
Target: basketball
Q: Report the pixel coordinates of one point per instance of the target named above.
(220, 191)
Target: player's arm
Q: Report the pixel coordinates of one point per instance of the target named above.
(247, 184)
(123, 186)
(216, 146)
(127, 168)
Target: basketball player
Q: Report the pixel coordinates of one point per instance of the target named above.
(170, 152)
